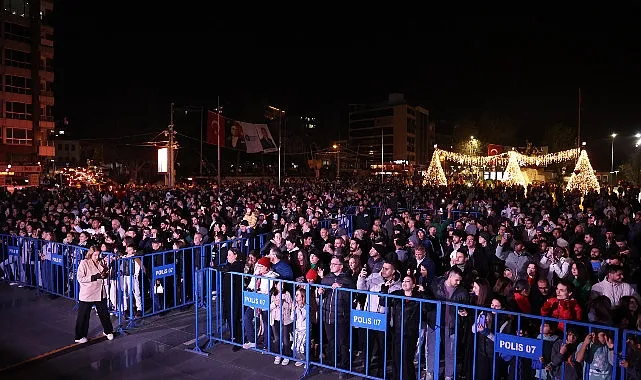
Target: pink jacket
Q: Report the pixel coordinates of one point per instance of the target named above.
(90, 291)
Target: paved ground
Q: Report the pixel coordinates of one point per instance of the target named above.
(34, 325)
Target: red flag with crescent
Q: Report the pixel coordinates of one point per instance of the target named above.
(214, 129)
(493, 149)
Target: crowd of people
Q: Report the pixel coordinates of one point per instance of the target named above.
(543, 252)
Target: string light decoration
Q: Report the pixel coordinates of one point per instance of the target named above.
(583, 178)
(513, 175)
(503, 158)
(75, 177)
(435, 176)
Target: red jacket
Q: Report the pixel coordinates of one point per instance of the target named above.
(523, 303)
(569, 310)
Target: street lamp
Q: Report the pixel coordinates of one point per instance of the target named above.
(280, 136)
(612, 160)
(338, 160)
(472, 146)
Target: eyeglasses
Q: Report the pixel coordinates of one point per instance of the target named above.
(335, 264)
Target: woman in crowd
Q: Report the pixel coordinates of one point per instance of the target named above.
(92, 274)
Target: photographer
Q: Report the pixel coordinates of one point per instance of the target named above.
(92, 273)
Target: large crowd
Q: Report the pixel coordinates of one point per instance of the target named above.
(543, 252)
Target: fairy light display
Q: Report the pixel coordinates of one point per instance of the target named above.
(75, 177)
(435, 176)
(583, 178)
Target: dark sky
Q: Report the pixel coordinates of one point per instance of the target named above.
(118, 71)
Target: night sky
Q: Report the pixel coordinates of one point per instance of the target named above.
(117, 71)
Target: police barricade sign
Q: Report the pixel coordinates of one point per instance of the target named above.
(369, 320)
(164, 271)
(56, 259)
(13, 250)
(258, 300)
(518, 346)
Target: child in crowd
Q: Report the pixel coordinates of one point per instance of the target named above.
(280, 318)
(299, 314)
(542, 367)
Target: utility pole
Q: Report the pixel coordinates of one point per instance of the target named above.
(171, 172)
(280, 138)
(280, 143)
(338, 158)
(202, 111)
(338, 162)
(382, 155)
(578, 133)
(218, 145)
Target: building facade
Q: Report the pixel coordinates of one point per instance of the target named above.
(26, 94)
(395, 129)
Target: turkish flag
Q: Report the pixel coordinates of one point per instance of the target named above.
(493, 149)
(215, 128)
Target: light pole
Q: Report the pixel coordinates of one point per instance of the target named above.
(219, 110)
(280, 136)
(170, 132)
(612, 160)
(338, 160)
(472, 146)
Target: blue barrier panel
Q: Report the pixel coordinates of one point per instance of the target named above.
(518, 346)
(164, 271)
(254, 299)
(56, 259)
(13, 250)
(369, 320)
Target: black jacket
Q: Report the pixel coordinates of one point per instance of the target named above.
(407, 313)
(232, 285)
(336, 302)
(437, 292)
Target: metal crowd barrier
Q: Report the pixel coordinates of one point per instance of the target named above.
(631, 355)
(139, 286)
(346, 222)
(47, 266)
(376, 335)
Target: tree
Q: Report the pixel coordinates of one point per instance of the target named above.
(559, 137)
(487, 129)
(627, 172)
(462, 132)
(498, 129)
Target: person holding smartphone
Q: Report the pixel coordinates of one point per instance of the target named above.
(92, 274)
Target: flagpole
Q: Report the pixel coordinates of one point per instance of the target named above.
(280, 142)
(202, 111)
(382, 160)
(578, 135)
(218, 136)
